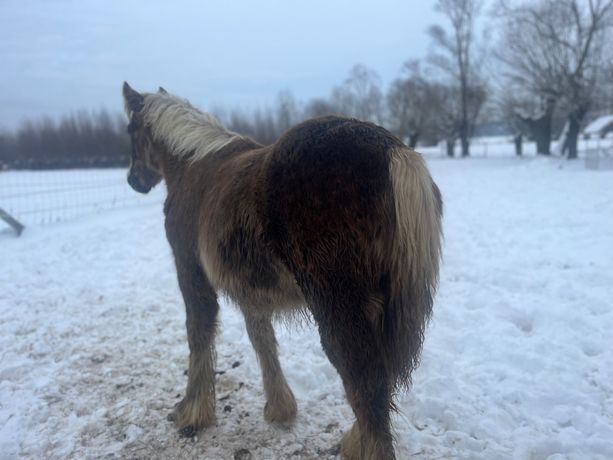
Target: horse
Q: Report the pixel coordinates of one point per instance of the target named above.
(337, 219)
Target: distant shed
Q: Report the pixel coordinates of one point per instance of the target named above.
(599, 128)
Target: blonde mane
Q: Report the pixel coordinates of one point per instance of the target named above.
(184, 129)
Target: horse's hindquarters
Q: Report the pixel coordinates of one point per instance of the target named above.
(330, 199)
(356, 217)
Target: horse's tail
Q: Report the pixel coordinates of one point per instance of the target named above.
(413, 262)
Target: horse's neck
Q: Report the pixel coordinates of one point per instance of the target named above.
(173, 167)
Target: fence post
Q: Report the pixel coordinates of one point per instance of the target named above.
(17, 226)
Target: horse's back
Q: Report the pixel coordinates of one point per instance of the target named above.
(333, 148)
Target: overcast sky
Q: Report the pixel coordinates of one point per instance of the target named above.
(61, 56)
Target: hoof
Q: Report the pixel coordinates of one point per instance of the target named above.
(190, 418)
(188, 431)
(172, 415)
(281, 413)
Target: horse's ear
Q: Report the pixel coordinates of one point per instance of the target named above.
(162, 90)
(134, 100)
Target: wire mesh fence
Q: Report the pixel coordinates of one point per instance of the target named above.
(43, 197)
(599, 158)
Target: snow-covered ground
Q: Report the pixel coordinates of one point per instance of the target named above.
(517, 363)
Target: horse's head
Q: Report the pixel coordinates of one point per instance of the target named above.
(145, 162)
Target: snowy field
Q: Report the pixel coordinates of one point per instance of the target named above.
(517, 363)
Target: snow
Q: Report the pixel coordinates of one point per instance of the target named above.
(517, 362)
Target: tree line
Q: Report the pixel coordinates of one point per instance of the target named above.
(79, 140)
(540, 67)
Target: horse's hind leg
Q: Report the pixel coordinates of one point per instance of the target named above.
(197, 409)
(280, 402)
(348, 338)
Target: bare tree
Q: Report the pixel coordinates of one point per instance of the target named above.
(360, 95)
(529, 68)
(448, 115)
(286, 110)
(240, 122)
(514, 106)
(456, 56)
(8, 150)
(265, 126)
(603, 97)
(450, 111)
(411, 104)
(259, 124)
(82, 139)
(419, 107)
(535, 116)
(553, 48)
(583, 64)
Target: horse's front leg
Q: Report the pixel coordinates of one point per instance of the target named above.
(197, 409)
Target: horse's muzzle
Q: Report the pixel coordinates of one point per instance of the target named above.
(138, 185)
